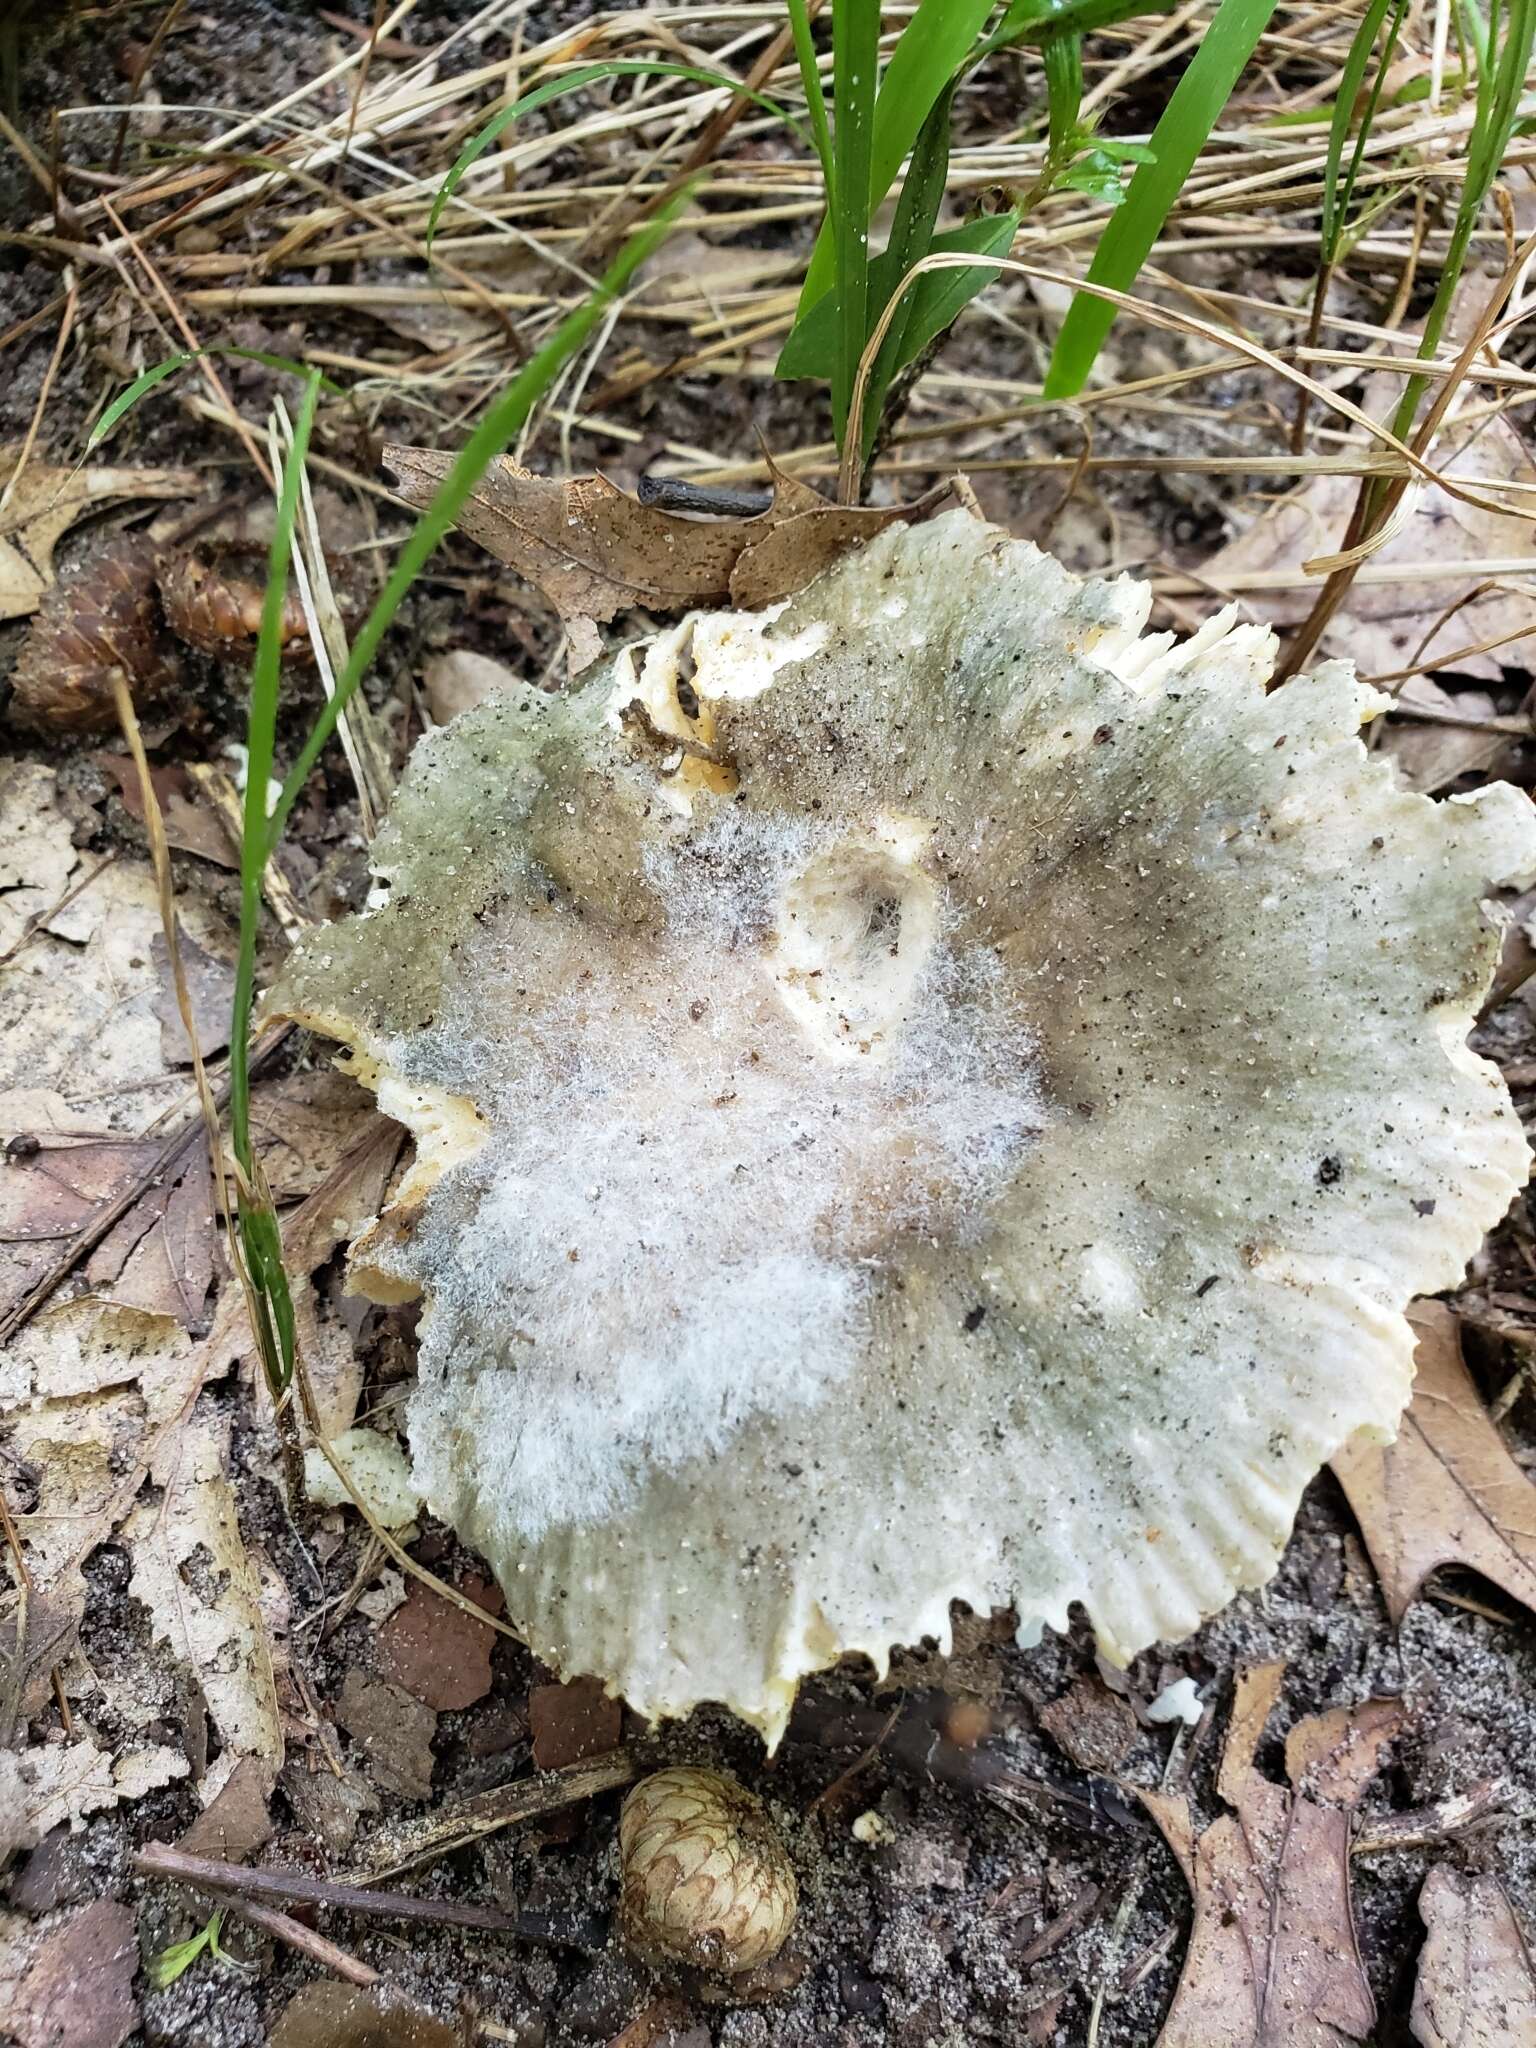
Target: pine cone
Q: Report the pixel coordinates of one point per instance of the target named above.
(213, 597)
(101, 620)
(706, 1880)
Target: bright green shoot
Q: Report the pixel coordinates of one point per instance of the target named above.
(875, 124)
(158, 372)
(1179, 137)
(174, 1961)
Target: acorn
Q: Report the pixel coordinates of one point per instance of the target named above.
(706, 1880)
(101, 621)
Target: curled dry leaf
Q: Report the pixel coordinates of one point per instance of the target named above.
(1477, 1983)
(101, 622)
(594, 551)
(1272, 1960)
(47, 502)
(1447, 1491)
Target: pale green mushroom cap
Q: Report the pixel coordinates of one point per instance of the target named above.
(922, 1094)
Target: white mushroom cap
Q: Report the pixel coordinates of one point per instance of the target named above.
(922, 1094)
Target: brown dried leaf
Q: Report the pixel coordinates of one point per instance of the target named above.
(77, 1990)
(49, 1194)
(332, 2015)
(211, 985)
(1429, 754)
(47, 502)
(237, 1822)
(1447, 1492)
(304, 1125)
(1090, 1725)
(1272, 1961)
(393, 1730)
(190, 827)
(435, 1650)
(160, 1257)
(594, 551)
(1477, 1983)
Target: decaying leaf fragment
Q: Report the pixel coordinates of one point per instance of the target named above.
(192, 1571)
(921, 1094)
(593, 550)
(1476, 1986)
(1447, 1491)
(1272, 1961)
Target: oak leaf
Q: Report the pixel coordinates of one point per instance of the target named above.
(594, 551)
(1272, 1960)
(1447, 1491)
(1476, 1986)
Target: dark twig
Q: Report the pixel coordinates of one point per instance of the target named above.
(291, 1887)
(297, 1936)
(503, 1806)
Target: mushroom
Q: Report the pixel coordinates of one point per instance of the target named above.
(922, 1094)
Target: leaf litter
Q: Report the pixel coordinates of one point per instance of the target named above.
(1447, 1492)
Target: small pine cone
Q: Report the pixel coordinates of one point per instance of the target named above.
(706, 1880)
(213, 596)
(102, 620)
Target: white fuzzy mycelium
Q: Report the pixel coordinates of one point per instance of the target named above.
(922, 1094)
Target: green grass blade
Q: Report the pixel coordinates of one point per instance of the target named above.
(1177, 140)
(933, 46)
(917, 212)
(936, 298)
(158, 372)
(500, 424)
(572, 81)
(1339, 184)
(1063, 91)
(271, 1303)
(855, 63)
(1501, 85)
(1036, 21)
(815, 99)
